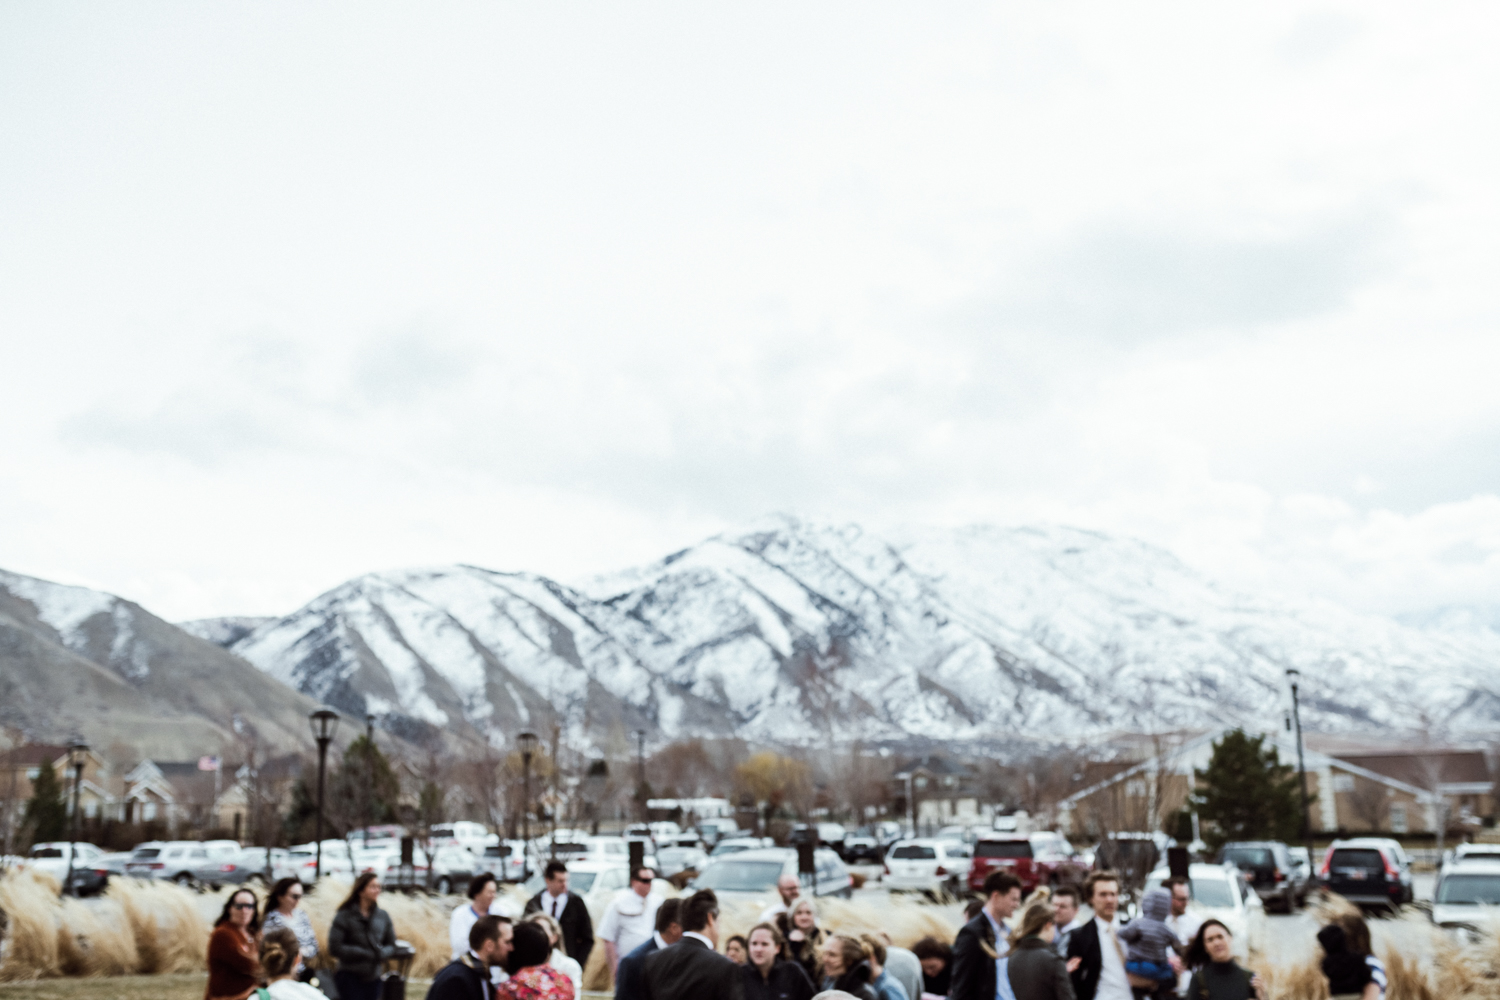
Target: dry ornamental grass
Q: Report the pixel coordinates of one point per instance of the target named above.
(161, 930)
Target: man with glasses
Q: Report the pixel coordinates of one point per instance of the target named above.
(630, 918)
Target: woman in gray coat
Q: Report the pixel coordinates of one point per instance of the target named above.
(362, 938)
(1035, 971)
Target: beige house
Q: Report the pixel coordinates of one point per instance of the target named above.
(1414, 791)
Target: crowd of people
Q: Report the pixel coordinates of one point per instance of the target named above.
(1067, 943)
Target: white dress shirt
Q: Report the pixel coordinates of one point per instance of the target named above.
(1113, 985)
(552, 905)
(462, 922)
(700, 937)
(629, 920)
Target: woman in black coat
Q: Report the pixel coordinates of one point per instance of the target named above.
(846, 967)
(1035, 970)
(767, 975)
(361, 939)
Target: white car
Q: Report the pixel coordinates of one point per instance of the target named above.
(603, 849)
(507, 860)
(1219, 891)
(167, 859)
(926, 864)
(756, 872)
(463, 833)
(87, 865)
(733, 845)
(597, 882)
(1467, 896)
(303, 858)
(1471, 852)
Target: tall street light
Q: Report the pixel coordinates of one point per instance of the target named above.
(324, 722)
(640, 772)
(911, 807)
(370, 778)
(526, 743)
(77, 752)
(1293, 675)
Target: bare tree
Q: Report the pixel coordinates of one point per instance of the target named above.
(1369, 801)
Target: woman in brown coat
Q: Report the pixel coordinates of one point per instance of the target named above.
(233, 965)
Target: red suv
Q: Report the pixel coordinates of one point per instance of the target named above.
(1036, 859)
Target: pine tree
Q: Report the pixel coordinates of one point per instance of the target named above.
(47, 811)
(1246, 793)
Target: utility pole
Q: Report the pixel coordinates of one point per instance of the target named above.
(640, 771)
(77, 754)
(1294, 675)
(369, 778)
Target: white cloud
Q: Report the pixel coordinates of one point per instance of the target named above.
(293, 295)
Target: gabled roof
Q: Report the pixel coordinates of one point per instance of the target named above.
(1445, 768)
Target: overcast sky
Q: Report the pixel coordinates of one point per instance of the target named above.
(293, 292)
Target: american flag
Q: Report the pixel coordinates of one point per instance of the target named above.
(208, 763)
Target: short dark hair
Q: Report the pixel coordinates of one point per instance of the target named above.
(554, 867)
(931, 947)
(1070, 890)
(1175, 881)
(478, 882)
(668, 913)
(530, 946)
(1092, 882)
(1001, 882)
(699, 908)
(486, 928)
(635, 876)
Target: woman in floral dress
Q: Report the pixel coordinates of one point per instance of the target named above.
(531, 978)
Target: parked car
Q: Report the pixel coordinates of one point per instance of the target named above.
(90, 876)
(507, 860)
(863, 846)
(924, 865)
(170, 859)
(303, 858)
(1367, 871)
(463, 833)
(1220, 891)
(1269, 870)
(1302, 867)
(1471, 852)
(244, 865)
(597, 882)
(1035, 858)
(675, 860)
(756, 870)
(611, 849)
(734, 845)
(452, 868)
(714, 830)
(1467, 896)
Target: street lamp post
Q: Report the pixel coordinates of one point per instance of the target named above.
(324, 722)
(1293, 675)
(370, 778)
(640, 772)
(911, 807)
(77, 751)
(526, 743)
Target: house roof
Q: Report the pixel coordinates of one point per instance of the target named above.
(1428, 768)
(33, 755)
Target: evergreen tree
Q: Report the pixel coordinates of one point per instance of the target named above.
(364, 791)
(1246, 793)
(47, 811)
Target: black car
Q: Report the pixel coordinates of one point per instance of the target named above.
(862, 847)
(1367, 871)
(1269, 868)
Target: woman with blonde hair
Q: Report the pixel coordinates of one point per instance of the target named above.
(1035, 971)
(804, 938)
(846, 967)
(558, 959)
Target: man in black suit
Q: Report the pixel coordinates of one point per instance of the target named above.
(1099, 973)
(467, 977)
(984, 941)
(629, 984)
(692, 969)
(567, 909)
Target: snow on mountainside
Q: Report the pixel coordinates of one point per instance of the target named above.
(223, 631)
(796, 631)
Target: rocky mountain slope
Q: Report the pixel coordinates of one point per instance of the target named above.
(74, 660)
(806, 632)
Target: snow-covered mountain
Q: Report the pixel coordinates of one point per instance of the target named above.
(805, 632)
(75, 660)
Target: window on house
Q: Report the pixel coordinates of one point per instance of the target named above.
(1343, 782)
(1135, 788)
(1398, 817)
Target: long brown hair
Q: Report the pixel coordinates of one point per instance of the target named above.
(359, 887)
(1035, 915)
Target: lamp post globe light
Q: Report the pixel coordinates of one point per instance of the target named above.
(1294, 677)
(77, 752)
(324, 722)
(526, 743)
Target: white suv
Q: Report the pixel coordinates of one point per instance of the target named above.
(925, 865)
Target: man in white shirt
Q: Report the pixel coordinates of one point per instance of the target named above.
(1100, 973)
(483, 901)
(789, 889)
(1184, 924)
(630, 918)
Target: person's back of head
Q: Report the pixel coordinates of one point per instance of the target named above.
(931, 947)
(528, 946)
(875, 946)
(1346, 972)
(669, 913)
(279, 951)
(1157, 905)
(700, 908)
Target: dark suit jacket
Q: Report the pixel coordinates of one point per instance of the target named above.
(691, 970)
(460, 979)
(577, 927)
(974, 961)
(628, 982)
(1084, 943)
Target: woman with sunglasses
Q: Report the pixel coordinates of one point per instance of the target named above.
(233, 965)
(284, 909)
